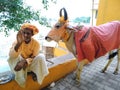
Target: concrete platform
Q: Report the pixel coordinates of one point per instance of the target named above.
(62, 66)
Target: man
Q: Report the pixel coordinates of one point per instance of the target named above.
(24, 56)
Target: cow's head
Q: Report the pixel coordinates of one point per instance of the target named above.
(59, 30)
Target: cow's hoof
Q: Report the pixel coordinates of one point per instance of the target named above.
(74, 76)
(115, 72)
(102, 71)
(77, 82)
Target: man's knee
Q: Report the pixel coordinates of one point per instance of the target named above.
(40, 57)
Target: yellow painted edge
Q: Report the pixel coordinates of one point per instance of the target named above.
(57, 72)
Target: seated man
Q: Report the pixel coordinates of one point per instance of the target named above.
(24, 56)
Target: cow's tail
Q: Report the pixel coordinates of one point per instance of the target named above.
(112, 55)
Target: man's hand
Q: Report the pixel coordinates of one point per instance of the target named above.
(21, 64)
(29, 60)
(20, 39)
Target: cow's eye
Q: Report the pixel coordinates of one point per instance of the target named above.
(57, 26)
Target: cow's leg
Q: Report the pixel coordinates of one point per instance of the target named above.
(109, 61)
(79, 68)
(117, 67)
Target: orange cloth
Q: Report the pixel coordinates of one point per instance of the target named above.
(26, 50)
(30, 26)
(100, 40)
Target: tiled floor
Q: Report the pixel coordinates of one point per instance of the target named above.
(91, 78)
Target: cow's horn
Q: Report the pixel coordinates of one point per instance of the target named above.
(60, 12)
(65, 13)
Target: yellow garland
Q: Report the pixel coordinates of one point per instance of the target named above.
(61, 20)
(66, 36)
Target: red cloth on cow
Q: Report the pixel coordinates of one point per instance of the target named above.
(100, 40)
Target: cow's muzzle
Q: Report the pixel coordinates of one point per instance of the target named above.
(48, 38)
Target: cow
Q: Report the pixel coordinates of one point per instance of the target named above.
(87, 43)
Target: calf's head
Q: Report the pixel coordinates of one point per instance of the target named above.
(59, 30)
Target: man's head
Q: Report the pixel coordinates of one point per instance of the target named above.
(30, 27)
(28, 30)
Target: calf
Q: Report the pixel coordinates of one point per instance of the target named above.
(87, 43)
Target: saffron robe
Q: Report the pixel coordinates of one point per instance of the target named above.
(26, 50)
(38, 65)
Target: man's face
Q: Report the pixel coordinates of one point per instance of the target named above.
(27, 34)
